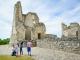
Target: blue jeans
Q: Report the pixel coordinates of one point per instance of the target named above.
(29, 50)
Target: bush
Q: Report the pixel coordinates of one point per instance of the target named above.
(4, 41)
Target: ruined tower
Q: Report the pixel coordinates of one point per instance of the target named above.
(72, 31)
(26, 26)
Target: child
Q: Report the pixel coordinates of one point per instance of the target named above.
(13, 51)
(16, 49)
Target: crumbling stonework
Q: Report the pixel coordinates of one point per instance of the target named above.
(70, 40)
(71, 31)
(26, 26)
(68, 46)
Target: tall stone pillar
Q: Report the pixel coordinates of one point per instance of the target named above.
(17, 22)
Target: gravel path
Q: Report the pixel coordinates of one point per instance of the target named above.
(43, 54)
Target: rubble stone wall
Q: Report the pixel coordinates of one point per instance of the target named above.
(60, 45)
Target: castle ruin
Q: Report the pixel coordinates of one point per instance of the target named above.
(26, 26)
(70, 40)
(71, 32)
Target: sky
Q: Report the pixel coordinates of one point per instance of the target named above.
(51, 12)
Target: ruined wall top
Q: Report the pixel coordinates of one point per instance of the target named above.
(39, 24)
(34, 15)
(64, 26)
(50, 36)
(72, 25)
(18, 5)
(18, 14)
(19, 2)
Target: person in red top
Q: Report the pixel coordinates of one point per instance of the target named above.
(29, 45)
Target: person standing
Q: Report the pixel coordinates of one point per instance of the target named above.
(21, 48)
(29, 45)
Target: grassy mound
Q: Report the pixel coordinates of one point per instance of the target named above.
(7, 57)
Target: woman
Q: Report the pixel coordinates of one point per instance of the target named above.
(29, 45)
(13, 50)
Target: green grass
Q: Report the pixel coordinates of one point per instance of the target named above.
(7, 57)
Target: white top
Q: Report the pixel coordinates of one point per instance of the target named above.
(16, 48)
(29, 44)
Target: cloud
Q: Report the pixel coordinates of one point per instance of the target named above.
(50, 12)
(54, 26)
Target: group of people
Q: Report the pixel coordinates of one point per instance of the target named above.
(18, 48)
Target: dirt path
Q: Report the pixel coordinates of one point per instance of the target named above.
(44, 54)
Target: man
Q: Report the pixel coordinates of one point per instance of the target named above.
(21, 48)
(29, 45)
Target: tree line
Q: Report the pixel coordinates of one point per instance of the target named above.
(4, 41)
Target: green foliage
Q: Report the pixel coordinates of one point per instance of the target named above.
(4, 41)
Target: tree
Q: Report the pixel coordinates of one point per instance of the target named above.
(4, 41)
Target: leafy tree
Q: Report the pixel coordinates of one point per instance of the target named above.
(4, 41)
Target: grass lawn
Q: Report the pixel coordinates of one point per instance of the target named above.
(8, 57)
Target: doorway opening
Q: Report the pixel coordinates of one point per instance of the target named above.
(27, 35)
(77, 34)
(39, 35)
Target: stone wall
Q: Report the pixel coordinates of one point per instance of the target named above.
(68, 46)
(71, 31)
(26, 26)
(47, 43)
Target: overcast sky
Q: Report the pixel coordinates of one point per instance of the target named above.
(51, 12)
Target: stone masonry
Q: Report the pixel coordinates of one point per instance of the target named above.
(71, 31)
(26, 26)
(70, 40)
